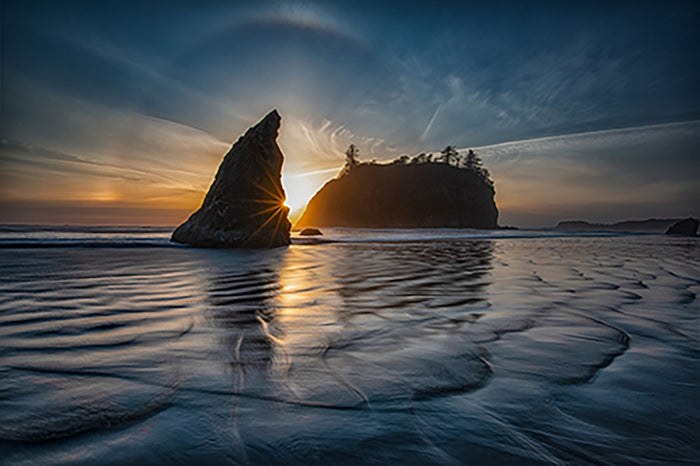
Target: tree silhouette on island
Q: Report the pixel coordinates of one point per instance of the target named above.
(447, 189)
(449, 155)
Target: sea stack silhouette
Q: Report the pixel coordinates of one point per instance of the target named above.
(431, 195)
(244, 207)
(686, 227)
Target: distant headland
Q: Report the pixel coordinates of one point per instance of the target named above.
(651, 225)
(426, 191)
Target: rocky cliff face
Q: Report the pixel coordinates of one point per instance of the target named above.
(245, 204)
(686, 227)
(430, 195)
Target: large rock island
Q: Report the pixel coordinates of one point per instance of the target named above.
(245, 204)
(425, 195)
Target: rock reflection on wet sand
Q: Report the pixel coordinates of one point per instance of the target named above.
(550, 350)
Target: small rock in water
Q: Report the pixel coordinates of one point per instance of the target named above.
(311, 232)
(687, 227)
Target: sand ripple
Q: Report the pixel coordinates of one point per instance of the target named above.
(543, 350)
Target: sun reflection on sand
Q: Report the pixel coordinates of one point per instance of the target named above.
(418, 342)
(304, 307)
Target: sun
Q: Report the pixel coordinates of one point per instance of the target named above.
(297, 191)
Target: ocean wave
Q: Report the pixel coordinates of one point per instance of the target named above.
(91, 244)
(33, 237)
(84, 229)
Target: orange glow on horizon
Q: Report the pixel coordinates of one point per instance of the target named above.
(298, 190)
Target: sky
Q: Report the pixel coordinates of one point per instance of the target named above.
(120, 112)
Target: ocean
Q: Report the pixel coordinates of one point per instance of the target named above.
(358, 347)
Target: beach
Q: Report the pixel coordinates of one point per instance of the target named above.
(361, 346)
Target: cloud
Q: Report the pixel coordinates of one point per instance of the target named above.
(320, 145)
(600, 175)
(430, 124)
(591, 140)
(108, 154)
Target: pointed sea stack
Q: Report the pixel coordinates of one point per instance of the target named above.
(244, 207)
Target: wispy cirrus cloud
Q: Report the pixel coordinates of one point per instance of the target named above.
(603, 140)
(114, 155)
(599, 175)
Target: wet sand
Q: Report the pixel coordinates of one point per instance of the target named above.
(456, 350)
